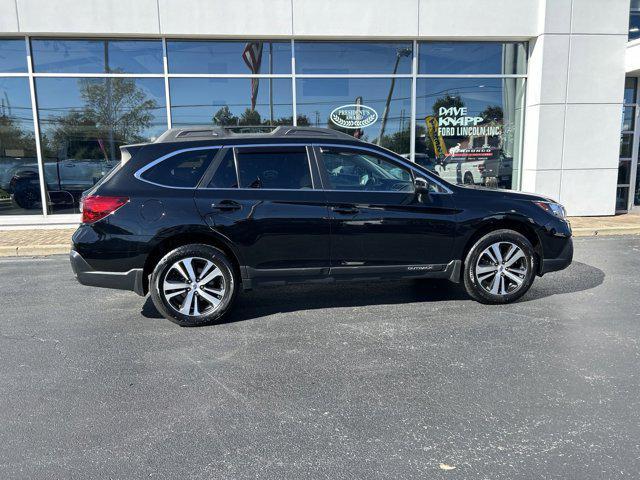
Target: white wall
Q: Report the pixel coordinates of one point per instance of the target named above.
(576, 71)
(574, 103)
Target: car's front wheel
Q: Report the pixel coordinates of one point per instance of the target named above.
(193, 285)
(500, 267)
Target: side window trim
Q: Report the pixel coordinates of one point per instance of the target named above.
(235, 147)
(216, 162)
(148, 166)
(414, 172)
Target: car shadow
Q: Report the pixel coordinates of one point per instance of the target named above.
(271, 300)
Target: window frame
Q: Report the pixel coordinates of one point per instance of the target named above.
(304, 146)
(138, 174)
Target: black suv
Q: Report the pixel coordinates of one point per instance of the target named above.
(201, 213)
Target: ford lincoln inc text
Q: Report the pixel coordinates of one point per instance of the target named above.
(201, 214)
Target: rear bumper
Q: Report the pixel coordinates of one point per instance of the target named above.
(562, 261)
(86, 275)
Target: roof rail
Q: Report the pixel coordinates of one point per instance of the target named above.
(184, 134)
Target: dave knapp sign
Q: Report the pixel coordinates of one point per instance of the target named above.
(454, 122)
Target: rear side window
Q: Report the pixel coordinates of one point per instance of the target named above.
(224, 175)
(275, 168)
(181, 170)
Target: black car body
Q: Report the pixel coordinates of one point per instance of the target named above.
(302, 205)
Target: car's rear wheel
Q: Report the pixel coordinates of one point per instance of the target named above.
(500, 267)
(193, 285)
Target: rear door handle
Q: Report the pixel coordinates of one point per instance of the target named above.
(345, 209)
(226, 206)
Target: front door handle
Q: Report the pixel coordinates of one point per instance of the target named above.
(345, 209)
(226, 206)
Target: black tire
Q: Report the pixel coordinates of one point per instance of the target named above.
(228, 282)
(478, 289)
(468, 179)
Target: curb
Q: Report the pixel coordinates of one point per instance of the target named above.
(593, 232)
(33, 250)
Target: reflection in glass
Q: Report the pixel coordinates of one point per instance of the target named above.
(83, 121)
(630, 90)
(19, 187)
(97, 56)
(634, 20)
(626, 145)
(13, 55)
(622, 195)
(376, 110)
(472, 58)
(186, 56)
(249, 104)
(636, 200)
(624, 172)
(469, 130)
(628, 116)
(353, 57)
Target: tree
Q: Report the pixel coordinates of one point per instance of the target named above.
(224, 117)
(447, 101)
(492, 113)
(114, 111)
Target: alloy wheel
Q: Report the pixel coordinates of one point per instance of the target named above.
(502, 268)
(194, 286)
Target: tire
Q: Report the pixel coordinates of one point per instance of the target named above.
(482, 261)
(468, 179)
(180, 295)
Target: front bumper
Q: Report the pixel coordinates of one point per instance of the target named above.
(562, 261)
(86, 275)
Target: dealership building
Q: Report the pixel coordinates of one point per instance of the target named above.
(532, 95)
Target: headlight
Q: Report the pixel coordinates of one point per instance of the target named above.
(553, 208)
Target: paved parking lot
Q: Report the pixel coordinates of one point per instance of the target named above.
(343, 381)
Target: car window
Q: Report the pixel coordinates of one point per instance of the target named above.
(225, 173)
(181, 170)
(355, 170)
(276, 168)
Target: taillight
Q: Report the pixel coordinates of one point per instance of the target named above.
(96, 207)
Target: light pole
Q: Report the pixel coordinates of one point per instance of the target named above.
(401, 52)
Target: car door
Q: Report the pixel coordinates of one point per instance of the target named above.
(265, 201)
(378, 221)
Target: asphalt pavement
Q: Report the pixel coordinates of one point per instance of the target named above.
(361, 381)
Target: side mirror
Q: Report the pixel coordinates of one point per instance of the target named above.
(421, 185)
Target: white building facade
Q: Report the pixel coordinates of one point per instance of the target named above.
(519, 94)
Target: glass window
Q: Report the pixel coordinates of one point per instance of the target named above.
(353, 57)
(353, 170)
(19, 176)
(281, 168)
(13, 55)
(634, 20)
(97, 56)
(628, 117)
(84, 121)
(186, 56)
(622, 195)
(225, 173)
(469, 130)
(636, 200)
(626, 145)
(181, 170)
(373, 109)
(472, 58)
(630, 90)
(624, 172)
(244, 103)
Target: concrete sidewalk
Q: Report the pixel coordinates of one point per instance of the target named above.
(35, 242)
